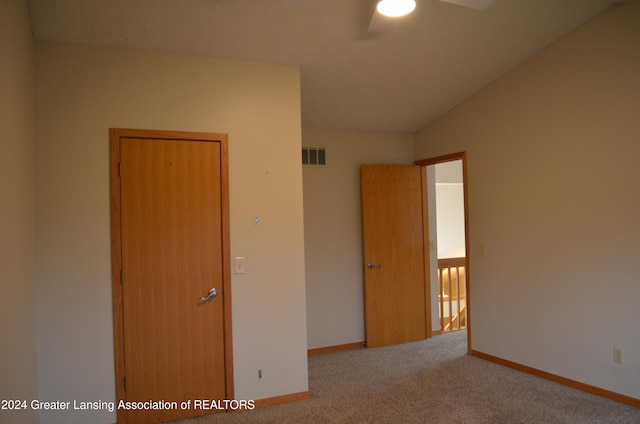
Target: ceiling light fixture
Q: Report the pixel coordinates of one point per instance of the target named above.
(396, 8)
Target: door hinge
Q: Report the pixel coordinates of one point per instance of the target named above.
(121, 276)
(124, 383)
(119, 169)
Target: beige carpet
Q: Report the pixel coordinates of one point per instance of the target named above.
(431, 381)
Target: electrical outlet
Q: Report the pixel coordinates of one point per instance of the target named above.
(617, 355)
(260, 374)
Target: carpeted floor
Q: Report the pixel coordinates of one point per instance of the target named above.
(431, 381)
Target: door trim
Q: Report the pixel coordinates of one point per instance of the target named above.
(425, 252)
(449, 158)
(115, 136)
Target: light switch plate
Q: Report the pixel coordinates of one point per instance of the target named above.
(240, 265)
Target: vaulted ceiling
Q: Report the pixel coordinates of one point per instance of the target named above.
(398, 79)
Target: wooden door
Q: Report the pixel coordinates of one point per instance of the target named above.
(394, 254)
(171, 195)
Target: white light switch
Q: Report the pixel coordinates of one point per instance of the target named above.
(240, 265)
(483, 248)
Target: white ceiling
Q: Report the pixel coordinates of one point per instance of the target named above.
(401, 79)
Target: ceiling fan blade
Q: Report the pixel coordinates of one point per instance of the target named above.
(378, 22)
(474, 4)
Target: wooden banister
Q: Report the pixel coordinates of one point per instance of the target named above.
(452, 293)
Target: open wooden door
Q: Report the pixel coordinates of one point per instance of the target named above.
(395, 269)
(171, 278)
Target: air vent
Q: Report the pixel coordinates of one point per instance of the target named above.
(314, 156)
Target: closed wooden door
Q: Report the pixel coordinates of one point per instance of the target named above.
(394, 254)
(173, 254)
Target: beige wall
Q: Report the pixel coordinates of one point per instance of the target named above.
(450, 209)
(17, 252)
(82, 91)
(553, 192)
(333, 229)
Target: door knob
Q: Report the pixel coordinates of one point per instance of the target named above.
(371, 265)
(212, 293)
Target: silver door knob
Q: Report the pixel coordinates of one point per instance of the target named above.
(212, 293)
(371, 265)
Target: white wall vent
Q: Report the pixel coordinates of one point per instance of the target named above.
(314, 156)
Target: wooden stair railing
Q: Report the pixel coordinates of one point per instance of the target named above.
(452, 293)
(458, 322)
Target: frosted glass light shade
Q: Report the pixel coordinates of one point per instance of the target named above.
(396, 8)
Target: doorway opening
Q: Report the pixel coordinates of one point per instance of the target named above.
(448, 234)
(448, 243)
